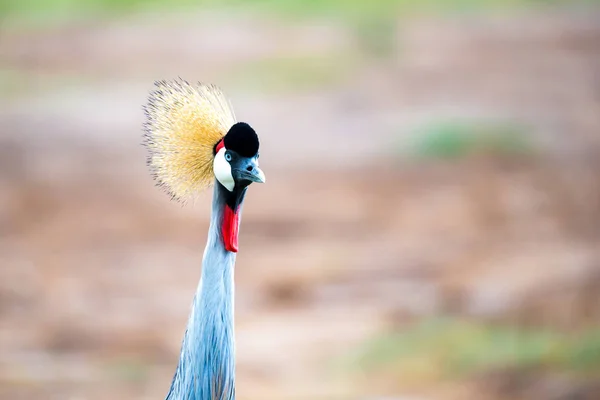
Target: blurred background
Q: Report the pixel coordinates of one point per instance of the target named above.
(430, 228)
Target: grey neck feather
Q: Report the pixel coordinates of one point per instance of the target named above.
(206, 369)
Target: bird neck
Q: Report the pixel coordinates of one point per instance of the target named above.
(206, 367)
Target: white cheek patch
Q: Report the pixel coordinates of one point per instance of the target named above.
(223, 170)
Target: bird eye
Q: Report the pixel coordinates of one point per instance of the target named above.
(228, 156)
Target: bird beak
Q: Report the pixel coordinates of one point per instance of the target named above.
(259, 176)
(256, 175)
(248, 171)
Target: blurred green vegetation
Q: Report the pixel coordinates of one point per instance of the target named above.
(40, 10)
(454, 139)
(294, 73)
(10, 81)
(452, 348)
(15, 82)
(128, 370)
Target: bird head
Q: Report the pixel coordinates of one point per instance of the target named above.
(236, 158)
(194, 140)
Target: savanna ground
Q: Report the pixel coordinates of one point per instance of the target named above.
(429, 229)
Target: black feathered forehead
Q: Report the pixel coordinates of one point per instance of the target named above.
(242, 139)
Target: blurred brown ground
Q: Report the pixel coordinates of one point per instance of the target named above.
(347, 238)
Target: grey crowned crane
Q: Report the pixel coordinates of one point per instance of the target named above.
(194, 141)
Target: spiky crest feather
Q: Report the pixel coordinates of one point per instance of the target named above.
(183, 124)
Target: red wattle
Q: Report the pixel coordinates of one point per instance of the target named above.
(229, 229)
